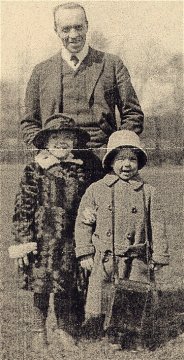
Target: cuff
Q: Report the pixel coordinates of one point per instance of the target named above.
(161, 259)
(84, 250)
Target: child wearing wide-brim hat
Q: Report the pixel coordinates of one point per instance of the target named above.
(119, 219)
(43, 225)
(59, 123)
(124, 139)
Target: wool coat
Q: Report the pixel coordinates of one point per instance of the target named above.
(108, 85)
(128, 212)
(45, 211)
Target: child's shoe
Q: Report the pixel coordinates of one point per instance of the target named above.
(137, 344)
(67, 341)
(112, 343)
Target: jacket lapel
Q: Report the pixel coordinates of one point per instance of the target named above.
(51, 87)
(94, 63)
(57, 80)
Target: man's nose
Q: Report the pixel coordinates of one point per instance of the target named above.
(73, 33)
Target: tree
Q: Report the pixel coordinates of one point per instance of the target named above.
(99, 41)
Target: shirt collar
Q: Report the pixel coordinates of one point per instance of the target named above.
(136, 182)
(66, 55)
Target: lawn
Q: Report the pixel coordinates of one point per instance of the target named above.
(16, 313)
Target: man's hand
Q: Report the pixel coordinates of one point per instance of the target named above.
(87, 262)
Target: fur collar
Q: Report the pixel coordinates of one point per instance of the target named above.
(47, 160)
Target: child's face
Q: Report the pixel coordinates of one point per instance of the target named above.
(125, 164)
(61, 144)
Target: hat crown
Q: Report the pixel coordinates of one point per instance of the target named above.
(59, 122)
(124, 138)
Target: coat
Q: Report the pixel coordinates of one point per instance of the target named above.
(45, 211)
(137, 225)
(108, 85)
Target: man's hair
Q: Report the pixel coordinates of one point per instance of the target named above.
(69, 5)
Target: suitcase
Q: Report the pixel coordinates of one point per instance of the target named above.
(131, 306)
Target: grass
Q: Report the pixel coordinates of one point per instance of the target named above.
(17, 314)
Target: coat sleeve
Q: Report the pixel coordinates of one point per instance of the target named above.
(158, 229)
(25, 207)
(128, 105)
(31, 122)
(85, 224)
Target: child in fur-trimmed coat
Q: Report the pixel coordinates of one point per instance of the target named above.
(43, 227)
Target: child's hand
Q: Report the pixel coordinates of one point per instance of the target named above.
(87, 262)
(21, 250)
(22, 262)
(155, 266)
(89, 216)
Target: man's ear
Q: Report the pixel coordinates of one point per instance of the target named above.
(55, 27)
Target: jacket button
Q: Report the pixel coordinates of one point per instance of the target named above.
(110, 207)
(108, 233)
(129, 236)
(134, 210)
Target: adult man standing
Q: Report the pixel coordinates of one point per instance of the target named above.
(81, 82)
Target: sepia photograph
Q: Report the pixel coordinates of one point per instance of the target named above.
(91, 167)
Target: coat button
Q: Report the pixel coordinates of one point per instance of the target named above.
(134, 210)
(110, 207)
(108, 233)
(129, 236)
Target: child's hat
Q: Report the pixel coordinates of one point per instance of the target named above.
(57, 123)
(124, 139)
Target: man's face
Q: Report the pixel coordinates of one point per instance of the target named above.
(61, 144)
(72, 28)
(125, 164)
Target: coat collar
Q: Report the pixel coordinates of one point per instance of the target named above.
(47, 160)
(136, 182)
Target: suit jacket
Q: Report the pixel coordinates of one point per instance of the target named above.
(108, 85)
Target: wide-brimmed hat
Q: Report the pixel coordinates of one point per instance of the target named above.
(58, 123)
(124, 139)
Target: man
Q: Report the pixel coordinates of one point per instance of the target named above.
(81, 82)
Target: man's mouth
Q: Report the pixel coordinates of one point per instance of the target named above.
(75, 42)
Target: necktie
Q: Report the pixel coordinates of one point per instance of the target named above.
(74, 59)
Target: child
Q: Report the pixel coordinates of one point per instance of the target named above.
(43, 226)
(118, 220)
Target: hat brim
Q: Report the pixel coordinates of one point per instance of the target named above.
(41, 138)
(109, 156)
